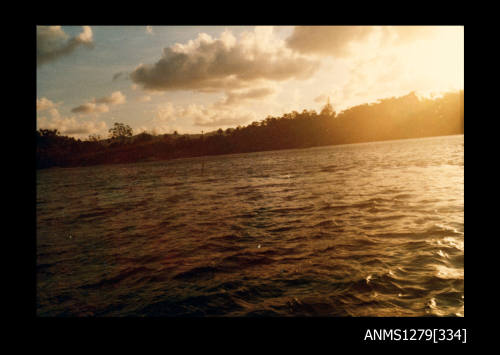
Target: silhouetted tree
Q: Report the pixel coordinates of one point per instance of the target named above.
(143, 137)
(120, 131)
(391, 118)
(327, 109)
(49, 132)
(94, 138)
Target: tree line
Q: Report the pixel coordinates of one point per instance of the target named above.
(392, 118)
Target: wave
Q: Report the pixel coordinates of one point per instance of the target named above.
(323, 232)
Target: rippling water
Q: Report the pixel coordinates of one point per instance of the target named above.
(373, 229)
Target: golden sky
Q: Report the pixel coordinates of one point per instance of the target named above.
(189, 78)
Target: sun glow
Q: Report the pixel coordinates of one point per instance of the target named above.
(439, 61)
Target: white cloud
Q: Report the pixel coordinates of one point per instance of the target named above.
(116, 98)
(71, 126)
(44, 104)
(200, 115)
(86, 35)
(52, 119)
(145, 98)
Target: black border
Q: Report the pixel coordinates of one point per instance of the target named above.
(249, 333)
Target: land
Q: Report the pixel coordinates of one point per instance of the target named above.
(392, 118)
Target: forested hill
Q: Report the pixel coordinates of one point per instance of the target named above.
(392, 118)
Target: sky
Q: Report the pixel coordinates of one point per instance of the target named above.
(161, 79)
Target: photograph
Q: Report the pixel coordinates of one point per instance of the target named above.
(271, 171)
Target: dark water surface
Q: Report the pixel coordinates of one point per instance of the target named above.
(373, 229)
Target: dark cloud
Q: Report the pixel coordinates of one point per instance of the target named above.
(91, 107)
(335, 40)
(326, 40)
(208, 64)
(119, 75)
(53, 42)
(101, 104)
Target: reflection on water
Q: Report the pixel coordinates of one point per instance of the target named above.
(373, 229)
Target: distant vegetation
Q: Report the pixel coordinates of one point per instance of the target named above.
(391, 118)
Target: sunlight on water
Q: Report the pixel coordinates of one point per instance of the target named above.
(449, 273)
(372, 229)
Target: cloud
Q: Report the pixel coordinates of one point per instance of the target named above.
(326, 40)
(65, 125)
(406, 34)
(222, 118)
(340, 41)
(47, 106)
(226, 63)
(70, 126)
(119, 74)
(234, 98)
(90, 107)
(200, 115)
(116, 98)
(396, 61)
(321, 98)
(53, 42)
(44, 104)
(145, 98)
(100, 105)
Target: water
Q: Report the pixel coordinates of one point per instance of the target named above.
(372, 229)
